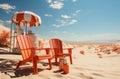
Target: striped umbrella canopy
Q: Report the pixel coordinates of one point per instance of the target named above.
(26, 18)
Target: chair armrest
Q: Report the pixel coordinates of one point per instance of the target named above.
(46, 49)
(69, 49)
(43, 48)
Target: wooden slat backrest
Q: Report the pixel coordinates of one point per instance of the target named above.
(56, 43)
(26, 46)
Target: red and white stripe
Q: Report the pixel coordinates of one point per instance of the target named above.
(26, 18)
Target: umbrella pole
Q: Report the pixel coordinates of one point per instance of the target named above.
(26, 28)
(14, 38)
(10, 39)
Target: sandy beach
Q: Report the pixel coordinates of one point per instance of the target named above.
(92, 63)
(90, 28)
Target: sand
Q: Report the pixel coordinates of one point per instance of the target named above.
(87, 65)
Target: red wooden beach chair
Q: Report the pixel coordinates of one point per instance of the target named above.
(27, 49)
(56, 45)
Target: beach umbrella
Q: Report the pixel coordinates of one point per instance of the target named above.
(25, 18)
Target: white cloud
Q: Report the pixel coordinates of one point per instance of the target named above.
(55, 32)
(7, 6)
(65, 16)
(49, 1)
(56, 5)
(73, 21)
(56, 25)
(8, 21)
(5, 22)
(66, 20)
(49, 15)
(77, 11)
(60, 0)
(74, 0)
(62, 23)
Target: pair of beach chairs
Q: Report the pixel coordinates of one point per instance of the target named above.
(28, 52)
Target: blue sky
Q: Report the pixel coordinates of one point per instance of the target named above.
(69, 20)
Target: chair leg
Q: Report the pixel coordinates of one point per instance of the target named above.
(56, 60)
(50, 64)
(20, 63)
(70, 59)
(35, 68)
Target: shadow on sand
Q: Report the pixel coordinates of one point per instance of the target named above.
(8, 67)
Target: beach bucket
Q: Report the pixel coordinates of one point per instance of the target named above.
(66, 68)
(63, 65)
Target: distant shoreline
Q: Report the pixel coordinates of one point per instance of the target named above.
(92, 42)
